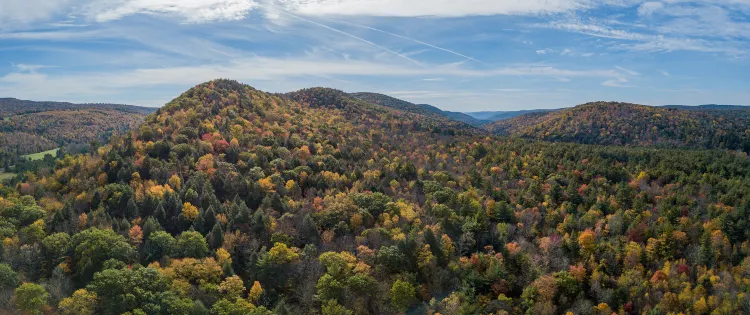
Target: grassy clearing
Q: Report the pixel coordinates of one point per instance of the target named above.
(4, 176)
(40, 155)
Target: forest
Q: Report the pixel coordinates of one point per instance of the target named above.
(229, 200)
(610, 123)
(30, 127)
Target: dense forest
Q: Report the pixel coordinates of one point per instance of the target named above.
(13, 106)
(30, 127)
(422, 109)
(707, 127)
(229, 200)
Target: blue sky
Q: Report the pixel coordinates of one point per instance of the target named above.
(466, 55)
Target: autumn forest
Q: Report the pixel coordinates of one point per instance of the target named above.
(229, 200)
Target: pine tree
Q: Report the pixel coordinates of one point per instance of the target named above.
(216, 237)
(308, 231)
(160, 215)
(151, 225)
(199, 224)
(131, 210)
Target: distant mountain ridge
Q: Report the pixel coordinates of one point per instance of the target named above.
(614, 123)
(709, 107)
(423, 109)
(14, 106)
(491, 116)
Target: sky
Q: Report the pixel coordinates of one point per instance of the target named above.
(458, 55)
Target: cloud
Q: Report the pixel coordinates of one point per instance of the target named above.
(648, 8)
(25, 12)
(351, 36)
(413, 40)
(618, 82)
(61, 85)
(626, 70)
(646, 41)
(544, 51)
(19, 13)
(437, 8)
(21, 67)
(664, 73)
(192, 11)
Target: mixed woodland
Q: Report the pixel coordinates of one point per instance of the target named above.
(30, 127)
(611, 123)
(229, 200)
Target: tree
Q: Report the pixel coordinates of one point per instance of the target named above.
(332, 307)
(158, 245)
(151, 225)
(189, 211)
(308, 231)
(31, 298)
(587, 240)
(238, 307)
(92, 247)
(255, 291)
(232, 288)
(402, 295)
(8, 277)
(135, 235)
(55, 248)
(129, 289)
(329, 288)
(82, 302)
(191, 244)
(216, 236)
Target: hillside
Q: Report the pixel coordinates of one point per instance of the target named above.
(422, 109)
(12, 106)
(710, 107)
(634, 125)
(229, 200)
(491, 116)
(29, 127)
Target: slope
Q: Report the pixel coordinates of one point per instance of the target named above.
(629, 124)
(30, 127)
(12, 106)
(422, 109)
(240, 201)
(492, 116)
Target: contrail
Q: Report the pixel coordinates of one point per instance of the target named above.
(411, 39)
(346, 34)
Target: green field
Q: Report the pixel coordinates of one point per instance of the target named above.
(4, 176)
(40, 155)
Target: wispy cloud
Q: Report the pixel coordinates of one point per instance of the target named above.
(413, 40)
(626, 70)
(351, 36)
(419, 8)
(62, 85)
(618, 82)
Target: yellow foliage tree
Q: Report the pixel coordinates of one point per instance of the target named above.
(255, 291)
(587, 240)
(189, 211)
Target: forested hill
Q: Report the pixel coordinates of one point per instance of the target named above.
(29, 127)
(229, 200)
(635, 125)
(12, 106)
(422, 109)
